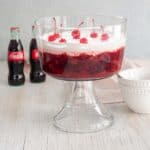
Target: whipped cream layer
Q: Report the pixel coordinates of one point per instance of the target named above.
(74, 47)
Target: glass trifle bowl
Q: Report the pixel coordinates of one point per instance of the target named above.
(80, 49)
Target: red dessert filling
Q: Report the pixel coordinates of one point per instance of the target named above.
(83, 66)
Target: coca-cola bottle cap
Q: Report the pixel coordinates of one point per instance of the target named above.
(15, 28)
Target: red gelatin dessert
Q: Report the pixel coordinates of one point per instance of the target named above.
(83, 59)
(83, 66)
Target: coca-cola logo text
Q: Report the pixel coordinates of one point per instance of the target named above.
(35, 54)
(16, 56)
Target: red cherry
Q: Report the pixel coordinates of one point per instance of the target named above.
(104, 37)
(62, 40)
(51, 38)
(83, 40)
(94, 35)
(56, 35)
(75, 33)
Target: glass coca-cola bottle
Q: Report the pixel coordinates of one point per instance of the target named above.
(15, 58)
(36, 73)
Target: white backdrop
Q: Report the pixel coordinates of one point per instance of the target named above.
(24, 12)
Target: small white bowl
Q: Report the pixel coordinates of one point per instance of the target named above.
(135, 88)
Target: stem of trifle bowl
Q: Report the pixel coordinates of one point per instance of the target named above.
(80, 50)
(83, 112)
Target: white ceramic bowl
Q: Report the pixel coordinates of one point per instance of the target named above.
(135, 88)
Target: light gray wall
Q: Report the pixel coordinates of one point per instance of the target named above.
(24, 12)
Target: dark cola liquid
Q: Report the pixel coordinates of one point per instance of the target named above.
(16, 63)
(36, 74)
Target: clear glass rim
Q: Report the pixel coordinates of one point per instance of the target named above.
(119, 19)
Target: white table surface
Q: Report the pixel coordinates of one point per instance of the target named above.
(26, 121)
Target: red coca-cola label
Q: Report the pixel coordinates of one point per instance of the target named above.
(35, 54)
(16, 56)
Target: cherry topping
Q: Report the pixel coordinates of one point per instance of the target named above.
(94, 35)
(104, 37)
(62, 40)
(56, 35)
(51, 38)
(75, 33)
(83, 40)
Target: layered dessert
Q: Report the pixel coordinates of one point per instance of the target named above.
(82, 53)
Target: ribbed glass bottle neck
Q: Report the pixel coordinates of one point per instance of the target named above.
(33, 32)
(15, 35)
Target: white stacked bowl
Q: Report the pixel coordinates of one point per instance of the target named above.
(135, 89)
